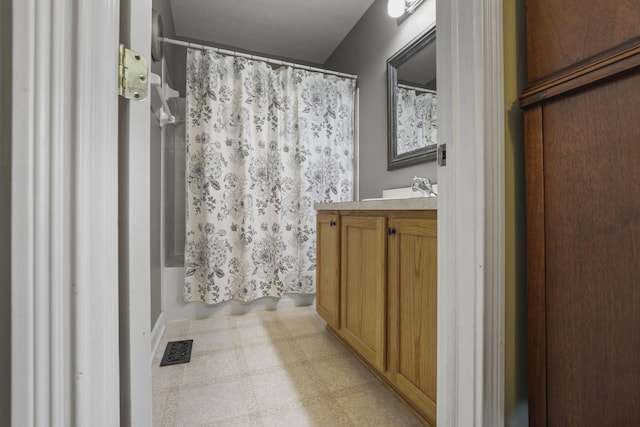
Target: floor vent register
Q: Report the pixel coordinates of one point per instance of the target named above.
(177, 352)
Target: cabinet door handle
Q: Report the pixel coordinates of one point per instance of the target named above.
(391, 231)
(332, 223)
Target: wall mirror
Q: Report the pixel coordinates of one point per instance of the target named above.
(412, 103)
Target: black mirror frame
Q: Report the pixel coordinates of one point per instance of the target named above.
(421, 155)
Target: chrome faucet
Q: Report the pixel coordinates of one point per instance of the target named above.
(423, 186)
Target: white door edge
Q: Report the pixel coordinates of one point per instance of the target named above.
(471, 214)
(135, 223)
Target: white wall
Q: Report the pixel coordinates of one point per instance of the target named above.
(364, 52)
(5, 211)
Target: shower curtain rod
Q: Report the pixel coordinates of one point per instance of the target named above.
(417, 89)
(255, 57)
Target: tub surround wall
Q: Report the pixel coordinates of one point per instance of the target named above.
(174, 163)
(156, 144)
(365, 50)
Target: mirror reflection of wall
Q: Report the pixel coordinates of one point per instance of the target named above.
(419, 69)
(413, 103)
(416, 101)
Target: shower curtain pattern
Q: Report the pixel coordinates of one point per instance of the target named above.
(263, 145)
(417, 120)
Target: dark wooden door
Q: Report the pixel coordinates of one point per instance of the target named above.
(582, 149)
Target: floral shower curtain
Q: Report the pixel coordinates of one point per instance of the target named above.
(263, 145)
(417, 119)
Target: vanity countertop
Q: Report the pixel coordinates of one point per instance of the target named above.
(409, 204)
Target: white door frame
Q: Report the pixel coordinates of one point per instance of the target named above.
(64, 285)
(471, 227)
(68, 367)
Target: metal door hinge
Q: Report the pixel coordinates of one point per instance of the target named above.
(132, 75)
(442, 155)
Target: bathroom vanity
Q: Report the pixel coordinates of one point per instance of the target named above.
(377, 290)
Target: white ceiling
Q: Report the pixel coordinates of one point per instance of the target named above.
(303, 30)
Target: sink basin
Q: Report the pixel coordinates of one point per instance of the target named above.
(400, 193)
(384, 198)
(395, 198)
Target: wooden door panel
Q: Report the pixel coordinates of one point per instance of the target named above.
(363, 268)
(534, 169)
(413, 310)
(328, 268)
(592, 250)
(561, 34)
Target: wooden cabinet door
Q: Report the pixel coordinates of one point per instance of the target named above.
(362, 322)
(583, 249)
(413, 301)
(328, 268)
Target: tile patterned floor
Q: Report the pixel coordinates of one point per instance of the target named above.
(271, 368)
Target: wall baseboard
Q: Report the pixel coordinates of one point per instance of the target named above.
(156, 334)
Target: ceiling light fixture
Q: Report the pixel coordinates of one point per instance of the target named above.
(397, 8)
